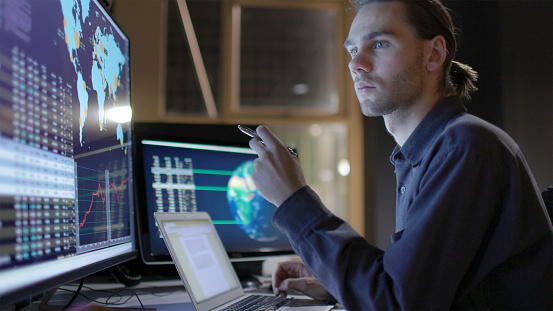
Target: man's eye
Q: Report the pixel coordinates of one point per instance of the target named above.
(379, 45)
(353, 52)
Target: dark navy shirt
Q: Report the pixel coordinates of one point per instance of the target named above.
(471, 227)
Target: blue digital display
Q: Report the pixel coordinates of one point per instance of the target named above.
(66, 184)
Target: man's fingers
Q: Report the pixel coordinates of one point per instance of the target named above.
(283, 271)
(297, 284)
(309, 286)
(267, 136)
(257, 145)
(284, 287)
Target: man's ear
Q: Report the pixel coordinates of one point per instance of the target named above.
(438, 53)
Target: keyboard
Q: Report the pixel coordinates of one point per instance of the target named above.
(259, 303)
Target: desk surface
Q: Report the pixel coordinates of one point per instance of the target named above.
(166, 295)
(161, 295)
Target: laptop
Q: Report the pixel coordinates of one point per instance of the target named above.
(205, 268)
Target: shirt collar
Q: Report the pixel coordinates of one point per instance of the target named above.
(428, 130)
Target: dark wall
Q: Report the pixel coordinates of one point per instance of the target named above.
(510, 44)
(479, 45)
(527, 77)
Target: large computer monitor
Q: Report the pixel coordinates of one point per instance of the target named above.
(66, 184)
(202, 167)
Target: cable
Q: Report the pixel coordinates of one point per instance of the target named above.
(95, 290)
(127, 278)
(74, 296)
(44, 306)
(119, 301)
(130, 290)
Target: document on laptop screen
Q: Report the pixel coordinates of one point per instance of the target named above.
(201, 259)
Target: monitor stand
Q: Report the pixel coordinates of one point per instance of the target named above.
(45, 306)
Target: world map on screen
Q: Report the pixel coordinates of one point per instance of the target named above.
(97, 59)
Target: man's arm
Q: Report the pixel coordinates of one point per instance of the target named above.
(454, 237)
(456, 231)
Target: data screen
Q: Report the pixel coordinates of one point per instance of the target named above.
(188, 177)
(65, 157)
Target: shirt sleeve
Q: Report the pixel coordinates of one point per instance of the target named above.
(331, 249)
(452, 226)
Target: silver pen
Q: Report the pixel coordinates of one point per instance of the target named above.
(248, 131)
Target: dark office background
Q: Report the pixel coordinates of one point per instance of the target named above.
(509, 42)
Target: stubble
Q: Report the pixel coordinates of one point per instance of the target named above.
(399, 94)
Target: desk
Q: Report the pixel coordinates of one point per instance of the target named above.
(161, 295)
(167, 295)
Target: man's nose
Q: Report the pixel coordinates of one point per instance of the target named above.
(360, 64)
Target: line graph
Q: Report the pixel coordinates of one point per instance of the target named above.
(92, 205)
(118, 191)
(119, 210)
(99, 194)
(104, 200)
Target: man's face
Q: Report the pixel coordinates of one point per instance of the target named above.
(386, 65)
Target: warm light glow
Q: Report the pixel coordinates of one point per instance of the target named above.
(343, 167)
(120, 114)
(315, 130)
(326, 175)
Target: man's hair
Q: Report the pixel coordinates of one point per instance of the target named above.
(428, 19)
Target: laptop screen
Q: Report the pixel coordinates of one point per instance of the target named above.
(196, 248)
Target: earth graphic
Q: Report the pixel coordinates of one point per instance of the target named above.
(248, 207)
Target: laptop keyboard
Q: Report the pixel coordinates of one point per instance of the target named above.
(258, 302)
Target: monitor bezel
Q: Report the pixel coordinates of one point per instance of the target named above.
(31, 292)
(200, 133)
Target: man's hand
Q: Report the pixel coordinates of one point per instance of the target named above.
(277, 174)
(293, 275)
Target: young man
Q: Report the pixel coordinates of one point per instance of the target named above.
(471, 228)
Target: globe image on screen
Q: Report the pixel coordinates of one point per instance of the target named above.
(248, 207)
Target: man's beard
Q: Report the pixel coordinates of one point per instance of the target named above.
(400, 93)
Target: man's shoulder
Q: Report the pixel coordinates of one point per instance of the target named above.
(471, 133)
(470, 139)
